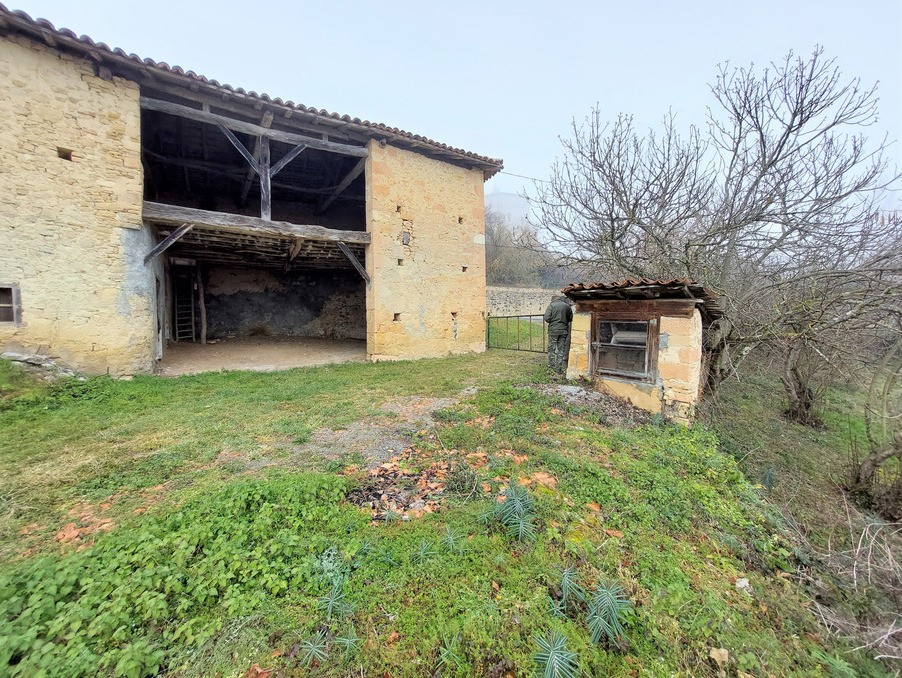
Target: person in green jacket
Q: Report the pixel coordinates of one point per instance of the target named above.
(558, 316)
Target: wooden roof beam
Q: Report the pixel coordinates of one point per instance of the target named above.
(172, 215)
(250, 128)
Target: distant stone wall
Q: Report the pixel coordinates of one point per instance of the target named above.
(518, 300)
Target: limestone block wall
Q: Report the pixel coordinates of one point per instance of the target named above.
(248, 301)
(70, 212)
(675, 389)
(426, 260)
(518, 300)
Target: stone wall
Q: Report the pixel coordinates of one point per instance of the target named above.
(518, 300)
(70, 212)
(427, 257)
(249, 301)
(675, 389)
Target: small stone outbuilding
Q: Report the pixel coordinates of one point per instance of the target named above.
(145, 207)
(643, 340)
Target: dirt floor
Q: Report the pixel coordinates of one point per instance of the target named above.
(259, 354)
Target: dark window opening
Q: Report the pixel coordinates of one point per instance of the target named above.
(7, 305)
(63, 153)
(623, 348)
(396, 318)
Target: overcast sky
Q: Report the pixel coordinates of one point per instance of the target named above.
(498, 78)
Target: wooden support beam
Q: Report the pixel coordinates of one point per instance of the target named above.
(171, 215)
(168, 241)
(265, 185)
(291, 155)
(201, 305)
(265, 121)
(246, 154)
(249, 127)
(350, 255)
(293, 253)
(353, 174)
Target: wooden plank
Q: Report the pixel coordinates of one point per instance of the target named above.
(201, 305)
(246, 154)
(265, 121)
(168, 241)
(265, 185)
(250, 128)
(353, 174)
(291, 155)
(350, 255)
(161, 213)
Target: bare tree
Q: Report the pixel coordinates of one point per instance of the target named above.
(774, 205)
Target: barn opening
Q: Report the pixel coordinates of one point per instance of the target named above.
(260, 237)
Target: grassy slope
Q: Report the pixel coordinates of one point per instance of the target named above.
(227, 571)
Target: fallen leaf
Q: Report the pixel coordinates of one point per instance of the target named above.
(393, 637)
(478, 459)
(722, 657)
(545, 479)
(592, 506)
(486, 488)
(496, 585)
(614, 533)
(256, 672)
(69, 533)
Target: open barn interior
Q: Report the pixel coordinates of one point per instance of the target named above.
(282, 287)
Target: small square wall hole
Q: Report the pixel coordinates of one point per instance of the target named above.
(396, 318)
(400, 262)
(453, 314)
(398, 209)
(460, 220)
(64, 153)
(464, 268)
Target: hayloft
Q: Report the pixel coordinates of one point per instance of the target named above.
(145, 208)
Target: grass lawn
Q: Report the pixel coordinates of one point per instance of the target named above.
(178, 527)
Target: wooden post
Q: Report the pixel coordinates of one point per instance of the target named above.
(265, 181)
(201, 305)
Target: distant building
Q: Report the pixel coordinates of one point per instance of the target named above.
(144, 206)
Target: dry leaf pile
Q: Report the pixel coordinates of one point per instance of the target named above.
(401, 488)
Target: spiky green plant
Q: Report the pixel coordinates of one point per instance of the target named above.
(334, 603)
(571, 590)
(449, 656)
(554, 660)
(606, 608)
(350, 642)
(556, 608)
(314, 648)
(453, 541)
(424, 552)
(517, 512)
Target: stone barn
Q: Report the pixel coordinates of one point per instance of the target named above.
(643, 340)
(148, 213)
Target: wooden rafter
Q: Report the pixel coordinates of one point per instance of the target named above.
(250, 128)
(349, 178)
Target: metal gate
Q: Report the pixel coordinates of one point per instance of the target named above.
(517, 333)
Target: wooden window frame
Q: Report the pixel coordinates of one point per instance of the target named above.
(651, 345)
(16, 304)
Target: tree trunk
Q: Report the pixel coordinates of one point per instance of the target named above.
(799, 394)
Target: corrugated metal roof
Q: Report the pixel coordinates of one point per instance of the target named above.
(647, 288)
(56, 37)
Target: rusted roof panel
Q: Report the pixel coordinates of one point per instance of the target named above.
(58, 37)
